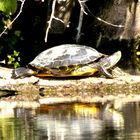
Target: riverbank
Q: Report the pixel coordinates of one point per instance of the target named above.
(66, 90)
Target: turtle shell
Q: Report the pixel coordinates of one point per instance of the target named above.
(65, 55)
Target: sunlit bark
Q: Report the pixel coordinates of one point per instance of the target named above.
(132, 24)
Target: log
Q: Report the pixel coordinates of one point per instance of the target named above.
(67, 90)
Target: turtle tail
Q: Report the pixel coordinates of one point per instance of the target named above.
(21, 72)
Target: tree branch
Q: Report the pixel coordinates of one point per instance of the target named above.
(81, 15)
(82, 5)
(50, 20)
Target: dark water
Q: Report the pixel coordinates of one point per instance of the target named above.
(72, 122)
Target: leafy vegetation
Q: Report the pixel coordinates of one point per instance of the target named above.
(14, 59)
(11, 36)
(8, 7)
(9, 50)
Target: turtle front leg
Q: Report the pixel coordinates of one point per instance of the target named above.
(104, 72)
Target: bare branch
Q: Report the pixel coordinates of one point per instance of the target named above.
(82, 5)
(58, 19)
(114, 25)
(81, 16)
(79, 25)
(50, 20)
(9, 25)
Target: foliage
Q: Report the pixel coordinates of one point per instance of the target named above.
(9, 41)
(8, 46)
(13, 59)
(8, 7)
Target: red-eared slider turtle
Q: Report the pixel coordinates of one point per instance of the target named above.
(69, 60)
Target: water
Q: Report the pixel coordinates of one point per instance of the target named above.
(72, 122)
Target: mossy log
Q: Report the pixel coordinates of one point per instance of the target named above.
(50, 90)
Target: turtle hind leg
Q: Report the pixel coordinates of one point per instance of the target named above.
(21, 72)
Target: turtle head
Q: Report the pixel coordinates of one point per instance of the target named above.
(110, 61)
(22, 72)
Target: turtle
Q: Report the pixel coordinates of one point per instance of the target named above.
(69, 60)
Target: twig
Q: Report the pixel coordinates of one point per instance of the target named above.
(79, 25)
(82, 5)
(20, 11)
(50, 20)
(58, 19)
(108, 23)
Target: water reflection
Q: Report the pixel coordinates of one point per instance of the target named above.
(71, 122)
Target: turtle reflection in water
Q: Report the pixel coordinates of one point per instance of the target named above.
(69, 60)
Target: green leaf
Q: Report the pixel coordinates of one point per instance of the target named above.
(17, 33)
(9, 7)
(16, 64)
(16, 53)
(9, 56)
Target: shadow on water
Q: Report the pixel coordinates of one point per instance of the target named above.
(72, 122)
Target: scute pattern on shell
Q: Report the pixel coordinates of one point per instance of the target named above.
(65, 55)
